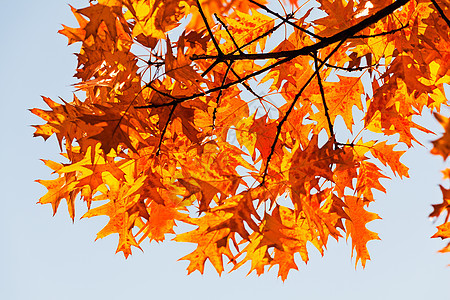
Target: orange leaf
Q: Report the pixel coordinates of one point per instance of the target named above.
(211, 244)
(356, 227)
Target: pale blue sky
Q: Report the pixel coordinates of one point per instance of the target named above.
(45, 257)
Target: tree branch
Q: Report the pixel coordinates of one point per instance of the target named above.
(291, 107)
(284, 55)
(219, 51)
(158, 151)
(219, 60)
(366, 36)
(441, 12)
(286, 20)
(242, 79)
(345, 34)
(219, 95)
(229, 34)
(348, 69)
(322, 93)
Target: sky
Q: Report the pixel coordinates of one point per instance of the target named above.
(46, 257)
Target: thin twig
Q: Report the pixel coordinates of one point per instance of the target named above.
(219, 51)
(346, 144)
(219, 60)
(441, 12)
(322, 93)
(212, 90)
(366, 36)
(349, 69)
(344, 34)
(229, 34)
(215, 63)
(219, 95)
(165, 128)
(286, 20)
(284, 55)
(247, 87)
(291, 107)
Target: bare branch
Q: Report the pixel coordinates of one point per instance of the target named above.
(165, 129)
(284, 55)
(291, 107)
(366, 36)
(286, 20)
(342, 35)
(229, 34)
(220, 94)
(441, 12)
(208, 28)
(322, 93)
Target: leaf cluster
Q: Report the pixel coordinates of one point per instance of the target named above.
(269, 132)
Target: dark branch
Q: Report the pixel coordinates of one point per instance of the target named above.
(260, 36)
(215, 63)
(366, 36)
(342, 35)
(349, 69)
(284, 55)
(286, 20)
(220, 94)
(229, 34)
(322, 93)
(165, 129)
(242, 79)
(209, 28)
(345, 144)
(219, 59)
(441, 12)
(247, 87)
(291, 107)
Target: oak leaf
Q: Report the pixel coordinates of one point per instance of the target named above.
(356, 227)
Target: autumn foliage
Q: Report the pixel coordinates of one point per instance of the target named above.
(267, 127)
